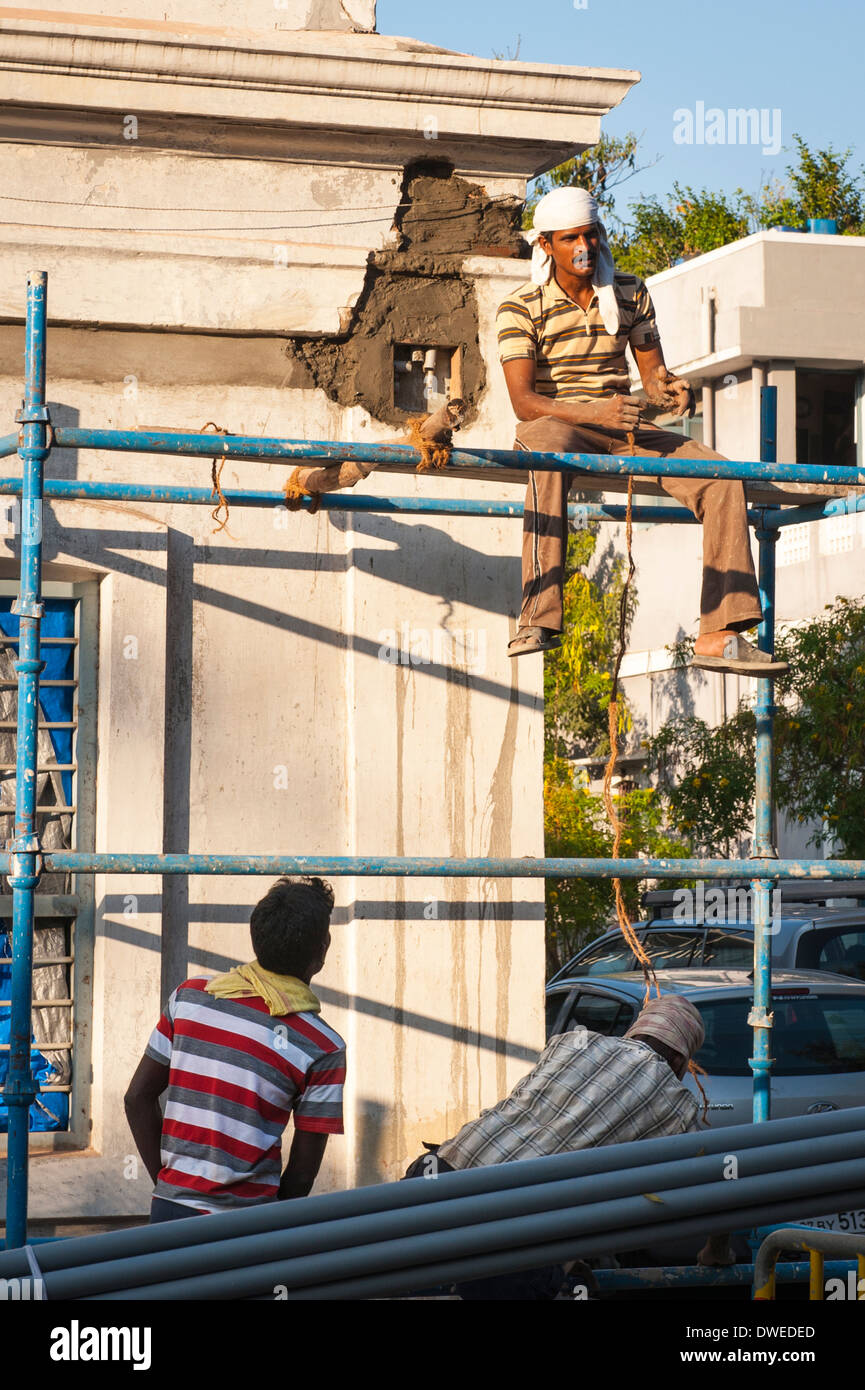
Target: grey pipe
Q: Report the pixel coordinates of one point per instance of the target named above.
(199, 1230)
(464, 1211)
(393, 1283)
(600, 1217)
(389, 1225)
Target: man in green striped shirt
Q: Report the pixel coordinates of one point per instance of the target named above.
(562, 340)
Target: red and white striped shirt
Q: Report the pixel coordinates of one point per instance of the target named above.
(236, 1074)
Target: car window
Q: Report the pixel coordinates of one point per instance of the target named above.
(607, 958)
(600, 1015)
(725, 951)
(841, 951)
(669, 950)
(554, 1007)
(811, 1035)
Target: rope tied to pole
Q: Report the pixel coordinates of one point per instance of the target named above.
(434, 453)
(622, 915)
(626, 926)
(295, 491)
(217, 463)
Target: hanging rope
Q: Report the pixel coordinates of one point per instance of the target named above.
(217, 463)
(622, 915)
(625, 924)
(434, 453)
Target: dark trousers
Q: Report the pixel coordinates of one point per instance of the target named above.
(524, 1285)
(161, 1209)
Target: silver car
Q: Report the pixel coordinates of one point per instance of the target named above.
(818, 1038)
(832, 940)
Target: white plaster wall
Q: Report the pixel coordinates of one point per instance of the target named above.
(302, 739)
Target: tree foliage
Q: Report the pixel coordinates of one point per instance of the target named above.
(705, 776)
(600, 170)
(820, 774)
(661, 231)
(576, 827)
(578, 678)
(705, 779)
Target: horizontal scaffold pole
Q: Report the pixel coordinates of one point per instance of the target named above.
(489, 460)
(78, 490)
(387, 866)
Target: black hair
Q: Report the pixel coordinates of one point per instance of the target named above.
(289, 926)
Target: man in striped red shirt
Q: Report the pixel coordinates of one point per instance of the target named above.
(236, 1056)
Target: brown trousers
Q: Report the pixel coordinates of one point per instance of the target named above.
(730, 597)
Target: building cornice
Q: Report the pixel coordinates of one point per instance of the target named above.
(350, 81)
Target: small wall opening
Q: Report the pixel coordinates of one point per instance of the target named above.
(424, 377)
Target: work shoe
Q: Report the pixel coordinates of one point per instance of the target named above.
(534, 639)
(742, 658)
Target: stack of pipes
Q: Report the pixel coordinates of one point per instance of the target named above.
(403, 1237)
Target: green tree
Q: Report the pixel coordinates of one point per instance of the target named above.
(705, 776)
(600, 170)
(578, 681)
(820, 775)
(578, 678)
(576, 827)
(659, 231)
(705, 779)
(691, 222)
(823, 186)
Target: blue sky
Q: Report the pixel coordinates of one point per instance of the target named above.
(802, 58)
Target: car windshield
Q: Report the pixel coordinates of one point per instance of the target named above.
(811, 1035)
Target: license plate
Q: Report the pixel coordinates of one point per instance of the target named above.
(850, 1221)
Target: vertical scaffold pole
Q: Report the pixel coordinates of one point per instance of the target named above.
(20, 1088)
(764, 820)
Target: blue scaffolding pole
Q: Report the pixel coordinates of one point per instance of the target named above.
(23, 861)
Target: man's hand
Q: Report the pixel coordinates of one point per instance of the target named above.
(668, 392)
(609, 413)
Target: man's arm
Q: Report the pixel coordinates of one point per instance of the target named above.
(667, 392)
(610, 412)
(141, 1103)
(304, 1161)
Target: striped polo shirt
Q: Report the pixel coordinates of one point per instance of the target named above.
(577, 359)
(236, 1074)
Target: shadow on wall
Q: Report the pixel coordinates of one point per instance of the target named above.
(371, 1119)
(118, 924)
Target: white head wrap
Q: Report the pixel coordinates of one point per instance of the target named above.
(557, 212)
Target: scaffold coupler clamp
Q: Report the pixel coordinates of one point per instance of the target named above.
(35, 415)
(25, 862)
(760, 1018)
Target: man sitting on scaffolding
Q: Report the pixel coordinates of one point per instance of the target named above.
(562, 339)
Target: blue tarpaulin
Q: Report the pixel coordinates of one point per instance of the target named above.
(51, 1110)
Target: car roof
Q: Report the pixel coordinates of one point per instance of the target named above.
(702, 979)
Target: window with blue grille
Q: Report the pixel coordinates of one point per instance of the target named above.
(54, 944)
